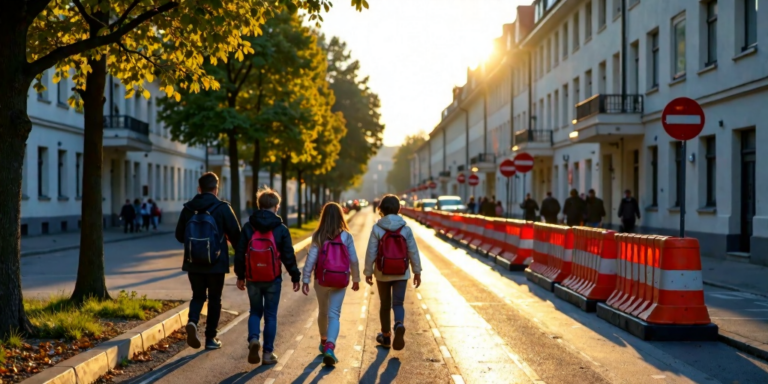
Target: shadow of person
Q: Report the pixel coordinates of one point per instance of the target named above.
(244, 377)
(390, 372)
(308, 370)
(325, 371)
(372, 372)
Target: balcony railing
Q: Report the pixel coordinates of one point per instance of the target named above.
(126, 122)
(483, 158)
(444, 174)
(609, 104)
(534, 136)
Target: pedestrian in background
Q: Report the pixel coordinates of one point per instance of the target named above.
(595, 210)
(628, 211)
(138, 220)
(487, 208)
(471, 205)
(326, 252)
(574, 209)
(154, 212)
(550, 208)
(128, 216)
(529, 208)
(146, 215)
(499, 209)
(391, 255)
(206, 271)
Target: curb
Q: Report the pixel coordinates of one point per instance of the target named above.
(71, 247)
(87, 367)
(752, 347)
(733, 288)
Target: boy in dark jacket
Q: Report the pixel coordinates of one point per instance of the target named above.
(265, 296)
(550, 208)
(574, 209)
(128, 216)
(529, 208)
(207, 281)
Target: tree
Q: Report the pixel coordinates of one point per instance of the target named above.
(360, 107)
(399, 177)
(39, 34)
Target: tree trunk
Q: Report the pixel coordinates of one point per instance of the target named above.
(255, 166)
(90, 269)
(234, 175)
(298, 195)
(14, 131)
(271, 175)
(284, 188)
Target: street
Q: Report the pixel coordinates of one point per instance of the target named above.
(469, 322)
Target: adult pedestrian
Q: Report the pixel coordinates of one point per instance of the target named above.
(550, 208)
(207, 279)
(499, 209)
(529, 207)
(573, 209)
(628, 211)
(146, 215)
(154, 213)
(137, 216)
(128, 216)
(471, 205)
(595, 210)
(487, 208)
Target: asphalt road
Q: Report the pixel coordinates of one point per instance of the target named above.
(469, 322)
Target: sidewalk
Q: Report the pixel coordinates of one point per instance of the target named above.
(38, 245)
(734, 275)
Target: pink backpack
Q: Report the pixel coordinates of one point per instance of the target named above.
(332, 269)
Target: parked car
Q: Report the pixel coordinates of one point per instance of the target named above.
(427, 205)
(450, 204)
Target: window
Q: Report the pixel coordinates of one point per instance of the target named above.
(750, 23)
(576, 31)
(565, 105)
(711, 171)
(78, 174)
(555, 47)
(678, 48)
(617, 8)
(602, 11)
(635, 55)
(654, 59)
(711, 33)
(42, 172)
(636, 172)
(565, 41)
(61, 92)
(679, 164)
(601, 77)
(556, 108)
(173, 184)
(61, 186)
(654, 176)
(588, 80)
(548, 55)
(44, 82)
(588, 21)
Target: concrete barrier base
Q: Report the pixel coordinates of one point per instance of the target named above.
(539, 280)
(656, 332)
(576, 299)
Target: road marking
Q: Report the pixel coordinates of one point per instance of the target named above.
(658, 377)
(299, 337)
(418, 295)
(424, 306)
(360, 327)
(522, 365)
(233, 323)
(429, 317)
(457, 379)
(269, 381)
(282, 361)
(445, 352)
(362, 315)
(436, 332)
(363, 308)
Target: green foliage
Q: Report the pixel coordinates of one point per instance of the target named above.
(125, 362)
(14, 339)
(2, 355)
(399, 177)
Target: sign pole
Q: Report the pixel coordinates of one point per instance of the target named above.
(682, 193)
(524, 185)
(506, 213)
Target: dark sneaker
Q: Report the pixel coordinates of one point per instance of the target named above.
(383, 341)
(399, 342)
(253, 352)
(329, 357)
(192, 339)
(212, 343)
(269, 358)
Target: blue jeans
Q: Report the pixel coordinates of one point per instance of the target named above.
(264, 298)
(329, 302)
(392, 295)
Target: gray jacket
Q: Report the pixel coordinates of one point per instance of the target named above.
(354, 264)
(391, 223)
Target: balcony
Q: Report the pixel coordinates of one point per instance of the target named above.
(217, 156)
(537, 142)
(484, 162)
(608, 117)
(444, 176)
(126, 133)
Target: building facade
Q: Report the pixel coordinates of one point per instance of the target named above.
(589, 80)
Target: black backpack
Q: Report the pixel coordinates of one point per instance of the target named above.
(202, 241)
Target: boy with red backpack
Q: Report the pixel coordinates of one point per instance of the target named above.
(391, 254)
(265, 242)
(333, 258)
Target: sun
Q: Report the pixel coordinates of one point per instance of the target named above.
(480, 52)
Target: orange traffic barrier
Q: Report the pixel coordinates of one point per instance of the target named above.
(593, 272)
(518, 245)
(478, 230)
(497, 237)
(541, 233)
(560, 257)
(489, 235)
(472, 230)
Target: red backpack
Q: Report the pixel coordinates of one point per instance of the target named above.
(332, 269)
(262, 259)
(392, 256)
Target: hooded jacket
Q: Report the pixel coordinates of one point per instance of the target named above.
(226, 221)
(263, 221)
(391, 223)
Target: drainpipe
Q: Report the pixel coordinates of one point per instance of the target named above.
(530, 91)
(466, 151)
(623, 55)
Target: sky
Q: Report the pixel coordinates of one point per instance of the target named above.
(416, 51)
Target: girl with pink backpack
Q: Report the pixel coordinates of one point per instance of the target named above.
(333, 259)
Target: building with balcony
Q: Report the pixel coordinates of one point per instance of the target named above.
(589, 80)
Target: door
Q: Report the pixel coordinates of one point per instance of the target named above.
(748, 145)
(606, 170)
(490, 190)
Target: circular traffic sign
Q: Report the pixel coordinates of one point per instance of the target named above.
(461, 178)
(683, 118)
(474, 180)
(432, 185)
(523, 162)
(423, 187)
(507, 168)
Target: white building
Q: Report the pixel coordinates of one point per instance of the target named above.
(590, 79)
(140, 160)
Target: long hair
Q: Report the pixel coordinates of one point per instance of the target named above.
(331, 224)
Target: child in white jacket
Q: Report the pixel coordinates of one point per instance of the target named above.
(332, 226)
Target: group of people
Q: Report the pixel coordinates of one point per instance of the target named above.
(485, 206)
(579, 210)
(140, 215)
(207, 224)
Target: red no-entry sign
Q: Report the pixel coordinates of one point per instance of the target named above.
(683, 119)
(461, 178)
(523, 162)
(474, 180)
(507, 168)
(432, 185)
